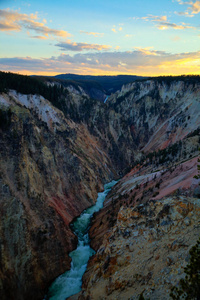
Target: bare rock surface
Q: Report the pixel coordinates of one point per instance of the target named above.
(50, 171)
(145, 251)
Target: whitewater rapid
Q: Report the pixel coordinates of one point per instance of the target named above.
(70, 282)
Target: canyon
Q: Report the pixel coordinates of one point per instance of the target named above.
(57, 155)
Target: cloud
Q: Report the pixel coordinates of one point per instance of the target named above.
(193, 8)
(116, 30)
(141, 61)
(96, 34)
(72, 46)
(175, 38)
(184, 13)
(155, 18)
(148, 51)
(15, 21)
(162, 23)
(167, 25)
(27, 63)
(38, 37)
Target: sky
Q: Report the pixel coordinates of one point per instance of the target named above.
(100, 37)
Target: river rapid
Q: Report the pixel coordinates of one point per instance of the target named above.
(70, 282)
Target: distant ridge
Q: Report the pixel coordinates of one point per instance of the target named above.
(109, 83)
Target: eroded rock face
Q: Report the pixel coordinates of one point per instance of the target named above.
(149, 180)
(149, 222)
(159, 112)
(34, 245)
(145, 251)
(50, 171)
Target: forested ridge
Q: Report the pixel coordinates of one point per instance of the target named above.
(32, 85)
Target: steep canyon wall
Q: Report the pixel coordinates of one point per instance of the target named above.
(54, 161)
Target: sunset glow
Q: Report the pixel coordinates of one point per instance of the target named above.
(140, 37)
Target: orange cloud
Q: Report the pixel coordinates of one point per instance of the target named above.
(184, 13)
(15, 21)
(141, 61)
(147, 51)
(40, 37)
(193, 8)
(73, 46)
(162, 23)
(96, 34)
(117, 30)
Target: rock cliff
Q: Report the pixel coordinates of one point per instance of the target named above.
(50, 171)
(134, 248)
(148, 224)
(159, 111)
(145, 251)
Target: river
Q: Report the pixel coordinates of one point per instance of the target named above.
(70, 282)
(106, 99)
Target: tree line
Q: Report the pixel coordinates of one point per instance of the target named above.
(32, 85)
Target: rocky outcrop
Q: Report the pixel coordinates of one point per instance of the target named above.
(149, 222)
(157, 175)
(159, 112)
(145, 252)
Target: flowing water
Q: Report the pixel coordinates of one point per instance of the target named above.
(106, 99)
(70, 282)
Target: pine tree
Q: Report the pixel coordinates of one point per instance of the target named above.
(190, 286)
(198, 168)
